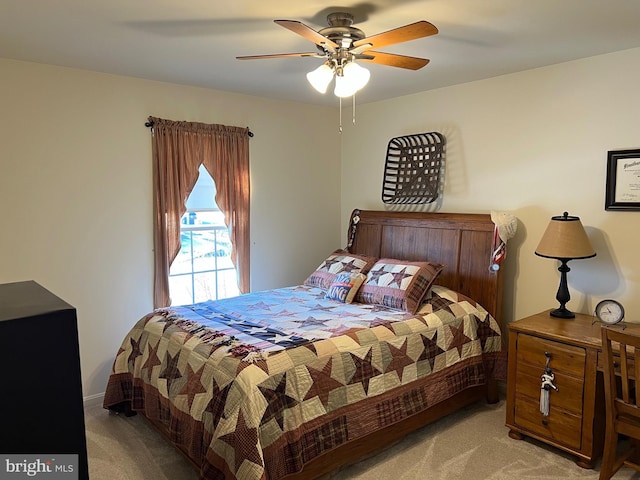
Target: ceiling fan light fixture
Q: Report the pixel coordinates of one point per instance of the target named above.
(341, 43)
(356, 74)
(343, 88)
(321, 77)
(353, 78)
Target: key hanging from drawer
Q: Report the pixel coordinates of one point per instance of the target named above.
(547, 385)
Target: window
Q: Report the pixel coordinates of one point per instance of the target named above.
(203, 269)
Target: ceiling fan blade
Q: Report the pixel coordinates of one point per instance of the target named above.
(281, 55)
(308, 33)
(393, 60)
(401, 34)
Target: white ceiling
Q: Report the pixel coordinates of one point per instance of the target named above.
(195, 42)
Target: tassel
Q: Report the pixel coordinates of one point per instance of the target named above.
(547, 384)
(544, 402)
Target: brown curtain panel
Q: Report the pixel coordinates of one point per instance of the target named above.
(179, 148)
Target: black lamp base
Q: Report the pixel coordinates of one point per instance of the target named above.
(563, 292)
(562, 313)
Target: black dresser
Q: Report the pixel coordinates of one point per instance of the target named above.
(41, 408)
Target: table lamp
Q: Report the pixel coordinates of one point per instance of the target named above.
(564, 239)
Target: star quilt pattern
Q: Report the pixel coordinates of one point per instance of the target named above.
(255, 386)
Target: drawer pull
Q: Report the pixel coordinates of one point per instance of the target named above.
(545, 422)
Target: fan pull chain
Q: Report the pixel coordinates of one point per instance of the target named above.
(353, 119)
(340, 126)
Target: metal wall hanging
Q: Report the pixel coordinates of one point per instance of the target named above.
(412, 168)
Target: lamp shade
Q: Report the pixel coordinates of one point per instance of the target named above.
(353, 78)
(565, 238)
(320, 78)
(356, 74)
(343, 88)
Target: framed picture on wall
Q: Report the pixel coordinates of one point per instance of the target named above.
(623, 180)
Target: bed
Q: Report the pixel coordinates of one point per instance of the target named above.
(288, 383)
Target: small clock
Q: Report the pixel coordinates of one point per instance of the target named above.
(609, 312)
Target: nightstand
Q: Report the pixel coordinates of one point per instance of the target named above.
(576, 416)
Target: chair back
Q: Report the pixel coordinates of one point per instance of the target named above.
(621, 348)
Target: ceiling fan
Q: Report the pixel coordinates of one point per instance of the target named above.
(342, 44)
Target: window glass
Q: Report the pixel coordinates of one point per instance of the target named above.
(203, 269)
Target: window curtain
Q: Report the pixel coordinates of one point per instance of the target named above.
(179, 148)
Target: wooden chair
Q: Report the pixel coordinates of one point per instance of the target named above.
(621, 347)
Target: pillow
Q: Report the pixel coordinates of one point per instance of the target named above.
(338, 262)
(345, 286)
(398, 284)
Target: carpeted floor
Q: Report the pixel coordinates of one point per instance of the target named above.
(471, 444)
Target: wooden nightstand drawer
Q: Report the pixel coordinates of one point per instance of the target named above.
(568, 396)
(575, 422)
(560, 426)
(563, 358)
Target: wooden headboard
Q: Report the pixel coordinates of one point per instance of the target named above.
(462, 242)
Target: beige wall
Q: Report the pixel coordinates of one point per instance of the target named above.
(534, 144)
(75, 180)
(75, 191)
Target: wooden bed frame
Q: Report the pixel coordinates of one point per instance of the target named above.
(461, 242)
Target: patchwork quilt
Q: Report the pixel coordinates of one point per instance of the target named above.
(255, 386)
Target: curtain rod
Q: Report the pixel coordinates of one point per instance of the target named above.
(150, 125)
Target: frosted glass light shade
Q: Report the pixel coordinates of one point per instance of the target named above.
(356, 74)
(354, 77)
(320, 78)
(343, 87)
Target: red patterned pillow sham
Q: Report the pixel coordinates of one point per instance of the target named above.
(338, 262)
(398, 284)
